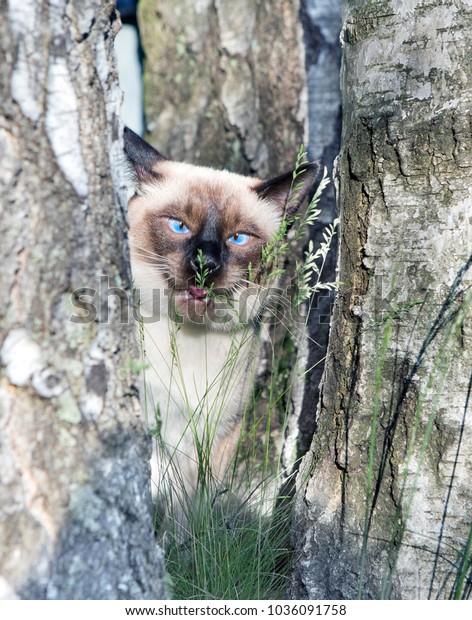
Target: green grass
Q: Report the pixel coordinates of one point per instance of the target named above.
(231, 552)
(236, 543)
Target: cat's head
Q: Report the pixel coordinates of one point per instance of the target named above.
(197, 236)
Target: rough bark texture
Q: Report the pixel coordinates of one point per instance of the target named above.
(224, 82)
(75, 508)
(405, 175)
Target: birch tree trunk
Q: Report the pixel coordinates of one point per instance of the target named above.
(385, 502)
(224, 82)
(75, 509)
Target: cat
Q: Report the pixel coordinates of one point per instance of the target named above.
(196, 242)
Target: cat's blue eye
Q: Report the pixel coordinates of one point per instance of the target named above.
(178, 227)
(239, 239)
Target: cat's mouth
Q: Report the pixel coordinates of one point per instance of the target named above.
(193, 297)
(201, 298)
(193, 293)
(205, 305)
(197, 293)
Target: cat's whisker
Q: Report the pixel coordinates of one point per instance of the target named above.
(148, 261)
(156, 258)
(273, 304)
(269, 302)
(133, 244)
(273, 297)
(274, 292)
(250, 282)
(141, 247)
(276, 305)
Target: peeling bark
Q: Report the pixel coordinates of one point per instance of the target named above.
(396, 386)
(75, 506)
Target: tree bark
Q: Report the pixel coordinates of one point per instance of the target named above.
(385, 503)
(75, 507)
(224, 82)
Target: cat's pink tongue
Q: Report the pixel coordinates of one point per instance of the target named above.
(197, 293)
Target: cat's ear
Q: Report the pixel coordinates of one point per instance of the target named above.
(287, 192)
(143, 158)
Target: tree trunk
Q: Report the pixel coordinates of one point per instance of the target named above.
(75, 506)
(385, 503)
(224, 82)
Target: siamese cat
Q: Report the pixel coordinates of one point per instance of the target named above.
(196, 241)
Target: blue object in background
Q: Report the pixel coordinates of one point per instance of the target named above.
(130, 68)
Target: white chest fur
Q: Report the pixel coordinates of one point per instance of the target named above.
(197, 383)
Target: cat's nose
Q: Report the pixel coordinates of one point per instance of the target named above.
(205, 263)
(207, 258)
